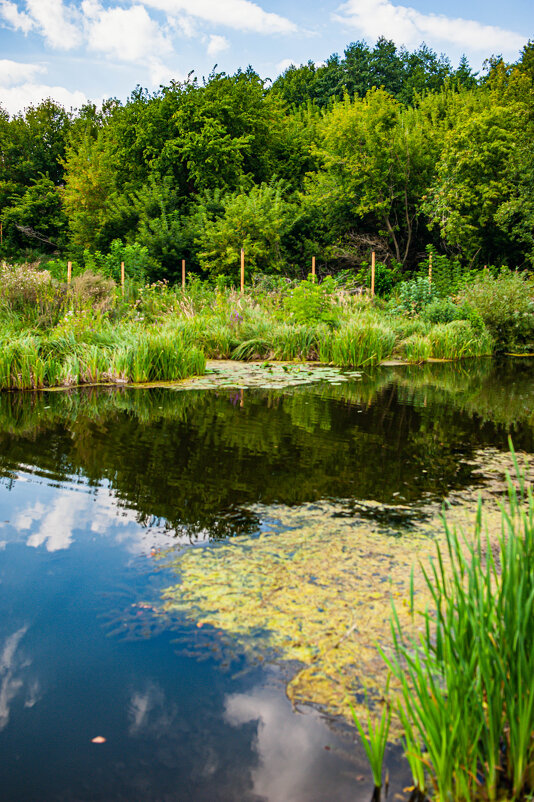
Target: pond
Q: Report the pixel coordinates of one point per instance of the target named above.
(145, 595)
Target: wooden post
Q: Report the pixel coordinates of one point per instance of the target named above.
(1, 233)
(313, 268)
(183, 274)
(242, 271)
(69, 272)
(373, 274)
(430, 268)
(122, 277)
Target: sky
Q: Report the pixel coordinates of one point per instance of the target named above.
(80, 50)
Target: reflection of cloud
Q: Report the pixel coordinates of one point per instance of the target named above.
(9, 683)
(290, 746)
(57, 525)
(149, 712)
(25, 519)
(54, 524)
(33, 694)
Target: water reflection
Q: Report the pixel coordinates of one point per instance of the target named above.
(193, 463)
(11, 681)
(93, 483)
(296, 753)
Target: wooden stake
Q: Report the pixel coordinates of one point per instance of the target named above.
(373, 274)
(313, 268)
(122, 277)
(242, 271)
(430, 267)
(69, 272)
(183, 274)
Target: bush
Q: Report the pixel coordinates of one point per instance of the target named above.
(92, 290)
(30, 295)
(505, 305)
(385, 277)
(443, 310)
(414, 296)
(311, 302)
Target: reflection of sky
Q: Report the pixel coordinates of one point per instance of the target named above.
(54, 517)
(294, 759)
(12, 665)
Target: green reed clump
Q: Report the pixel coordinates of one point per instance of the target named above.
(457, 340)
(364, 341)
(21, 366)
(298, 341)
(157, 356)
(467, 681)
(416, 348)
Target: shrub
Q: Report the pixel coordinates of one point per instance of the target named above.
(31, 294)
(414, 295)
(311, 302)
(505, 305)
(92, 290)
(443, 310)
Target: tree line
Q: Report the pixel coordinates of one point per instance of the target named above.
(383, 149)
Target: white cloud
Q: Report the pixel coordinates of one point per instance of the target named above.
(242, 15)
(16, 98)
(217, 44)
(56, 22)
(185, 25)
(284, 64)
(125, 34)
(16, 72)
(160, 74)
(17, 19)
(406, 25)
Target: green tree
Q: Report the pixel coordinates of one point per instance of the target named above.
(377, 160)
(256, 220)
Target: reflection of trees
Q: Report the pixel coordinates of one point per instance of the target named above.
(195, 460)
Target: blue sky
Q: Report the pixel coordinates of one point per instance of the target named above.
(78, 50)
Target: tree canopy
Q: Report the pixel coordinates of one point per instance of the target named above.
(381, 146)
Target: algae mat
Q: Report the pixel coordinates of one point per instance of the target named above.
(315, 588)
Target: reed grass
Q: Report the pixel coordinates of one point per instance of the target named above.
(467, 682)
(457, 340)
(416, 348)
(374, 739)
(362, 342)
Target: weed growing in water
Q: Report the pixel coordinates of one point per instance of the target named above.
(467, 681)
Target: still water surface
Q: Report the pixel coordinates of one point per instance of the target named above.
(95, 484)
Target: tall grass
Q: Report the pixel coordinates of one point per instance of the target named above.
(32, 362)
(467, 682)
(361, 342)
(457, 340)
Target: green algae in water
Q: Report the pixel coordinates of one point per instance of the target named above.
(316, 589)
